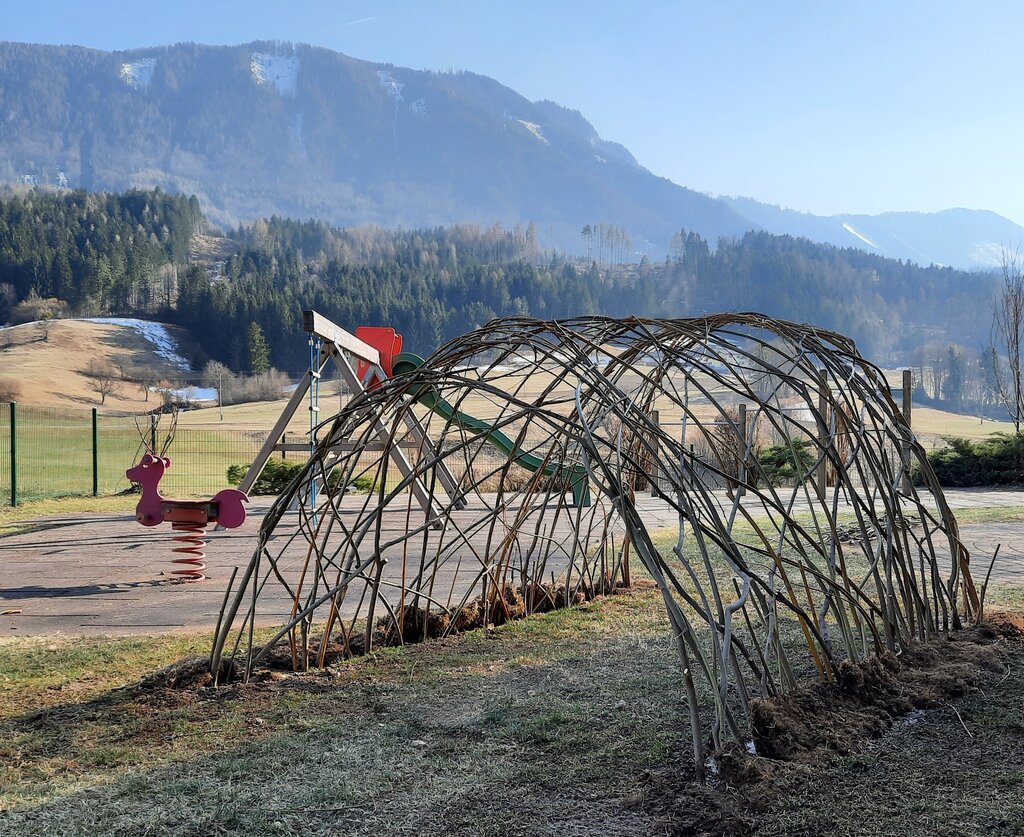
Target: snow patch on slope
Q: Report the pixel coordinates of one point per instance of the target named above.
(156, 333)
(863, 238)
(534, 129)
(275, 70)
(393, 87)
(193, 394)
(921, 257)
(987, 253)
(138, 74)
(419, 107)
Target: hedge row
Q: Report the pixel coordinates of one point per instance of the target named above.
(998, 460)
(279, 473)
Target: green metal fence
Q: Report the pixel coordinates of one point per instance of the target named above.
(6, 440)
(48, 452)
(54, 452)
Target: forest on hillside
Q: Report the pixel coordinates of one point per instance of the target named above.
(73, 253)
(323, 135)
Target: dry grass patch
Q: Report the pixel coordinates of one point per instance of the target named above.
(52, 367)
(567, 723)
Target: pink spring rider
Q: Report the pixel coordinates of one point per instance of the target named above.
(190, 517)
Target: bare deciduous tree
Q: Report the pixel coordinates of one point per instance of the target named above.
(104, 377)
(1008, 337)
(10, 390)
(142, 375)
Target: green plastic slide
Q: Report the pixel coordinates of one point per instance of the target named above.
(574, 475)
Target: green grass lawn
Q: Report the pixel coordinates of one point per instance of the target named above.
(572, 723)
(55, 454)
(458, 733)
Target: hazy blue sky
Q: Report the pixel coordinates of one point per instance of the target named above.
(819, 106)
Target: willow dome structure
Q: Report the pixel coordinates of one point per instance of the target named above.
(757, 471)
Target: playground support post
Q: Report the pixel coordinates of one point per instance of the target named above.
(908, 406)
(95, 454)
(14, 453)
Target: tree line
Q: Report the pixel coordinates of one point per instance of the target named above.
(95, 253)
(133, 253)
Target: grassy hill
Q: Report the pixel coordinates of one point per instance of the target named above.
(48, 364)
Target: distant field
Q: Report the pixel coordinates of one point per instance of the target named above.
(48, 366)
(48, 363)
(931, 425)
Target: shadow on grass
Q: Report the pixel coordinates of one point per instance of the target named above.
(457, 737)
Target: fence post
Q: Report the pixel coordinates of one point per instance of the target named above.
(152, 434)
(656, 479)
(95, 454)
(14, 453)
(741, 471)
(822, 475)
(908, 406)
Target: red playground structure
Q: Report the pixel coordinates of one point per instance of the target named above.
(191, 517)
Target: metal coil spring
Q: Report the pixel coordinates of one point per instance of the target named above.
(193, 563)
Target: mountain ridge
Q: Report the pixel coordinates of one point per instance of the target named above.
(955, 237)
(276, 128)
(267, 128)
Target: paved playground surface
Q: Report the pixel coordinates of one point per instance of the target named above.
(105, 574)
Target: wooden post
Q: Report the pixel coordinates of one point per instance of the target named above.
(627, 578)
(655, 467)
(822, 470)
(908, 406)
(741, 471)
(259, 463)
(426, 446)
(426, 500)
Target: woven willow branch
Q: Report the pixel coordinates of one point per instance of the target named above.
(761, 581)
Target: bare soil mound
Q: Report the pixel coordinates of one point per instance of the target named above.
(798, 735)
(866, 697)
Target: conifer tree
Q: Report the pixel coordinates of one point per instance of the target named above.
(259, 350)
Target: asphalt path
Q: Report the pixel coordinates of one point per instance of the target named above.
(106, 575)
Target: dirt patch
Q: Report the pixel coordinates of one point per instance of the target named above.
(679, 806)
(188, 674)
(1007, 624)
(833, 730)
(840, 717)
(410, 626)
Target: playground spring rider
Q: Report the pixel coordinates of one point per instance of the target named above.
(190, 517)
